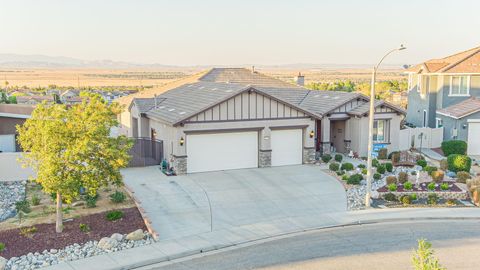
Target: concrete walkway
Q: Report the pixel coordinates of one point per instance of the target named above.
(179, 206)
(248, 234)
(432, 154)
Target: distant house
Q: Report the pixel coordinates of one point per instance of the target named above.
(32, 100)
(10, 116)
(444, 93)
(231, 118)
(68, 95)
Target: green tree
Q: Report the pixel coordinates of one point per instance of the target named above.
(3, 97)
(70, 148)
(12, 100)
(423, 258)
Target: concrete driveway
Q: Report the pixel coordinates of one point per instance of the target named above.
(281, 199)
(12, 170)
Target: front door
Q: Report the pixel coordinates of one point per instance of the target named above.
(337, 135)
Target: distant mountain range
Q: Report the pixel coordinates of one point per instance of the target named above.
(44, 61)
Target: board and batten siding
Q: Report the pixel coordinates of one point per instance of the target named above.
(247, 106)
(349, 106)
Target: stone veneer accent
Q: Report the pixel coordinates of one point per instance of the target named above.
(308, 155)
(264, 158)
(180, 164)
(458, 195)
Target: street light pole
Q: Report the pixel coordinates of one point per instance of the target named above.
(370, 126)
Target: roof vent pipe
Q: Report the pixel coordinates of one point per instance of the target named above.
(253, 69)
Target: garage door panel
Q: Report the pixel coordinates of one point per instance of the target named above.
(287, 147)
(222, 151)
(473, 141)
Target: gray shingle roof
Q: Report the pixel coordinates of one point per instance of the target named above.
(219, 84)
(461, 109)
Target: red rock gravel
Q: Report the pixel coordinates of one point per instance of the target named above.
(45, 238)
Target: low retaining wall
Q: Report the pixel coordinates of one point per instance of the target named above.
(458, 195)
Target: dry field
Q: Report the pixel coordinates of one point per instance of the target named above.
(156, 77)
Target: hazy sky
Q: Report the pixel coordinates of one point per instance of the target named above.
(210, 32)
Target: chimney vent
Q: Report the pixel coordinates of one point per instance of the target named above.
(253, 69)
(300, 79)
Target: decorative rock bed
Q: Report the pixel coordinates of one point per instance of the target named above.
(422, 191)
(10, 193)
(73, 252)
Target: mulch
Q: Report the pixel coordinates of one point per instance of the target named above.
(46, 238)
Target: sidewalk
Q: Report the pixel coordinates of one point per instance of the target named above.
(432, 154)
(243, 235)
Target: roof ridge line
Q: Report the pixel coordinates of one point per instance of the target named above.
(459, 61)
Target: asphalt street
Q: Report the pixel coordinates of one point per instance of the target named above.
(376, 246)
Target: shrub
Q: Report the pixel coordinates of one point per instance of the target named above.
(395, 157)
(413, 196)
(375, 162)
(340, 173)
(392, 187)
(28, 231)
(361, 166)
(381, 169)
(406, 200)
(91, 201)
(344, 177)
(458, 163)
(438, 176)
(383, 153)
(347, 166)
(334, 166)
(390, 197)
(355, 179)
(451, 202)
(463, 176)
(430, 169)
(338, 158)
(444, 186)
(391, 180)
(422, 163)
(444, 164)
(431, 186)
(364, 171)
(413, 173)
(35, 200)
(326, 158)
(390, 156)
(423, 257)
(377, 176)
(84, 227)
(454, 147)
(408, 185)
(23, 206)
(402, 177)
(389, 167)
(118, 197)
(2, 246)
(114, 215)
(432, 198)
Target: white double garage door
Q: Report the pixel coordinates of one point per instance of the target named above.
(239, 150)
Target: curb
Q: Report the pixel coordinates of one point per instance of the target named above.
(207, 250)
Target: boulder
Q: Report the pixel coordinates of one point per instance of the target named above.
(374, 194)
(107, 243)
(117, 236)
(3, 263)
(78, 203)
(135, 236)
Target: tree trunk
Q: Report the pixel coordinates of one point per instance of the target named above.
(59, 223)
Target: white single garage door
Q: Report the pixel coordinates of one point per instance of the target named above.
(286, 147)
(222, 151)
(7, 143)
(473, 137)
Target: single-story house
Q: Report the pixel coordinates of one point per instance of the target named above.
(231, 118)
(12, 115)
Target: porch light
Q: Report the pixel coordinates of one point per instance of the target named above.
(182, 141)
(312, 134)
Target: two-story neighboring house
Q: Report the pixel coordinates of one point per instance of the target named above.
(446, 93)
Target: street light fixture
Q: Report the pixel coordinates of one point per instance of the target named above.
(370, 126)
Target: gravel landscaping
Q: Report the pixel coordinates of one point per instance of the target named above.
(41, 246)
(10, 193)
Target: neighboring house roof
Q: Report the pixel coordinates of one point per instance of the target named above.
(16, 110)
(461, 109)
(463, 62)
(34, 99)
(364, 108)
(200, 92)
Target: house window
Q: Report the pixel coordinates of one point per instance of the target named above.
(459, 85)
(424, 118)
(439, 122)
(426, 88)
(381, 131)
